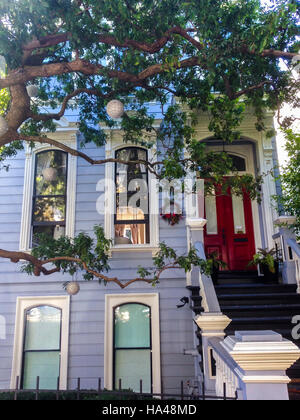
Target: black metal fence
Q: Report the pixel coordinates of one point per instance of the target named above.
(191, 394)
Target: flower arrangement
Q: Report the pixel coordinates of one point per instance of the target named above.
(172, 218)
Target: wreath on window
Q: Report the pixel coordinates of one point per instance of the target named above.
(174, 217)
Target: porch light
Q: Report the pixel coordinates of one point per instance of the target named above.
(3, 126)
(115, 109)
(32, 90)
(72, 288)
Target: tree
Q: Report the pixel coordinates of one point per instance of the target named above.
(218, 56)
(290, 178)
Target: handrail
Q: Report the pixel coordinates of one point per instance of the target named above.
(210, 301)
(294, 245)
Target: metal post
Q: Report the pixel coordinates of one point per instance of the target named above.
(78, 388)
(99, 387)
(57, 389)
(37, 387)
(224, 392)
(17, 387)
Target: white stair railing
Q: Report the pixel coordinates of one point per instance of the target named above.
(225, 370)
(285, 240)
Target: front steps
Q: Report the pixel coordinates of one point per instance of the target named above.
(254, 305)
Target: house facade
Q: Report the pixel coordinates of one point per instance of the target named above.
(140, 332)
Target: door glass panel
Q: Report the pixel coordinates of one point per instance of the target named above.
(211, 215)
(238, 215)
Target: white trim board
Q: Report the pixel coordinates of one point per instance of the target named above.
(26, 221)
(149, 299)
(25, 303)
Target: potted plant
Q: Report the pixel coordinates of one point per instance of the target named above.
(216, 264)
(268, 262)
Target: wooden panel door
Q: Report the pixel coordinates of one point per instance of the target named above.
(229, 229)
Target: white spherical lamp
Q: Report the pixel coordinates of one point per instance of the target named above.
(72, 288)
(3, 126)
(50, 174)
(115, 109)
(32, 90)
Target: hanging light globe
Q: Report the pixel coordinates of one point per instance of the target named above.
(3, 126)
(32, 91)
(50, 174)
(115, 109)
(72, 288)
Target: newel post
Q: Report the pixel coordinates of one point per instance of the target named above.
(195, 234)
(262, 358)
(288, 270)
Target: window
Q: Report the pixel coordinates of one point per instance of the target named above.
(132, 342)
(132, 198)
(50, 194)
(41, 342)
(53, 215)
(132, 346)
(41, 352)
(238, 163)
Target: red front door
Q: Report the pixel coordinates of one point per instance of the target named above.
(229, 230)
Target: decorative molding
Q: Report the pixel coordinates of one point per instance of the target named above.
(288, 220)
(196, 223)
(69, 139)
(262, 355)
(149, 299)
(27, 302)
(212, 324)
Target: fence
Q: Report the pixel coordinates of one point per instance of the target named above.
(78, 393)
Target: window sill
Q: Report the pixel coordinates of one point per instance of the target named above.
(136, 248)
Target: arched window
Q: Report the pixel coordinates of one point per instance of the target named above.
(42, 347)
(238, 163)
(132, 347)
(132, 198)
(50, 194)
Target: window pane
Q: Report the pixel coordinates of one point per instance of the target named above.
(131, 366)
(238, 163)
(131, 154)
(54, 232)
(51, 172)
(43, 328)
(211, 215)
(131, 234)
(42, 364)
(132, 326)
(49, 209)
(238, 215)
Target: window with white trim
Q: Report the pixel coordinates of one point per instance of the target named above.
(49, 193)
(132, 199)
(132, 342)
(131, 217)
(41, 342)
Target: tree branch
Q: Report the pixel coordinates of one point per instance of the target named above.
(39, 268)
